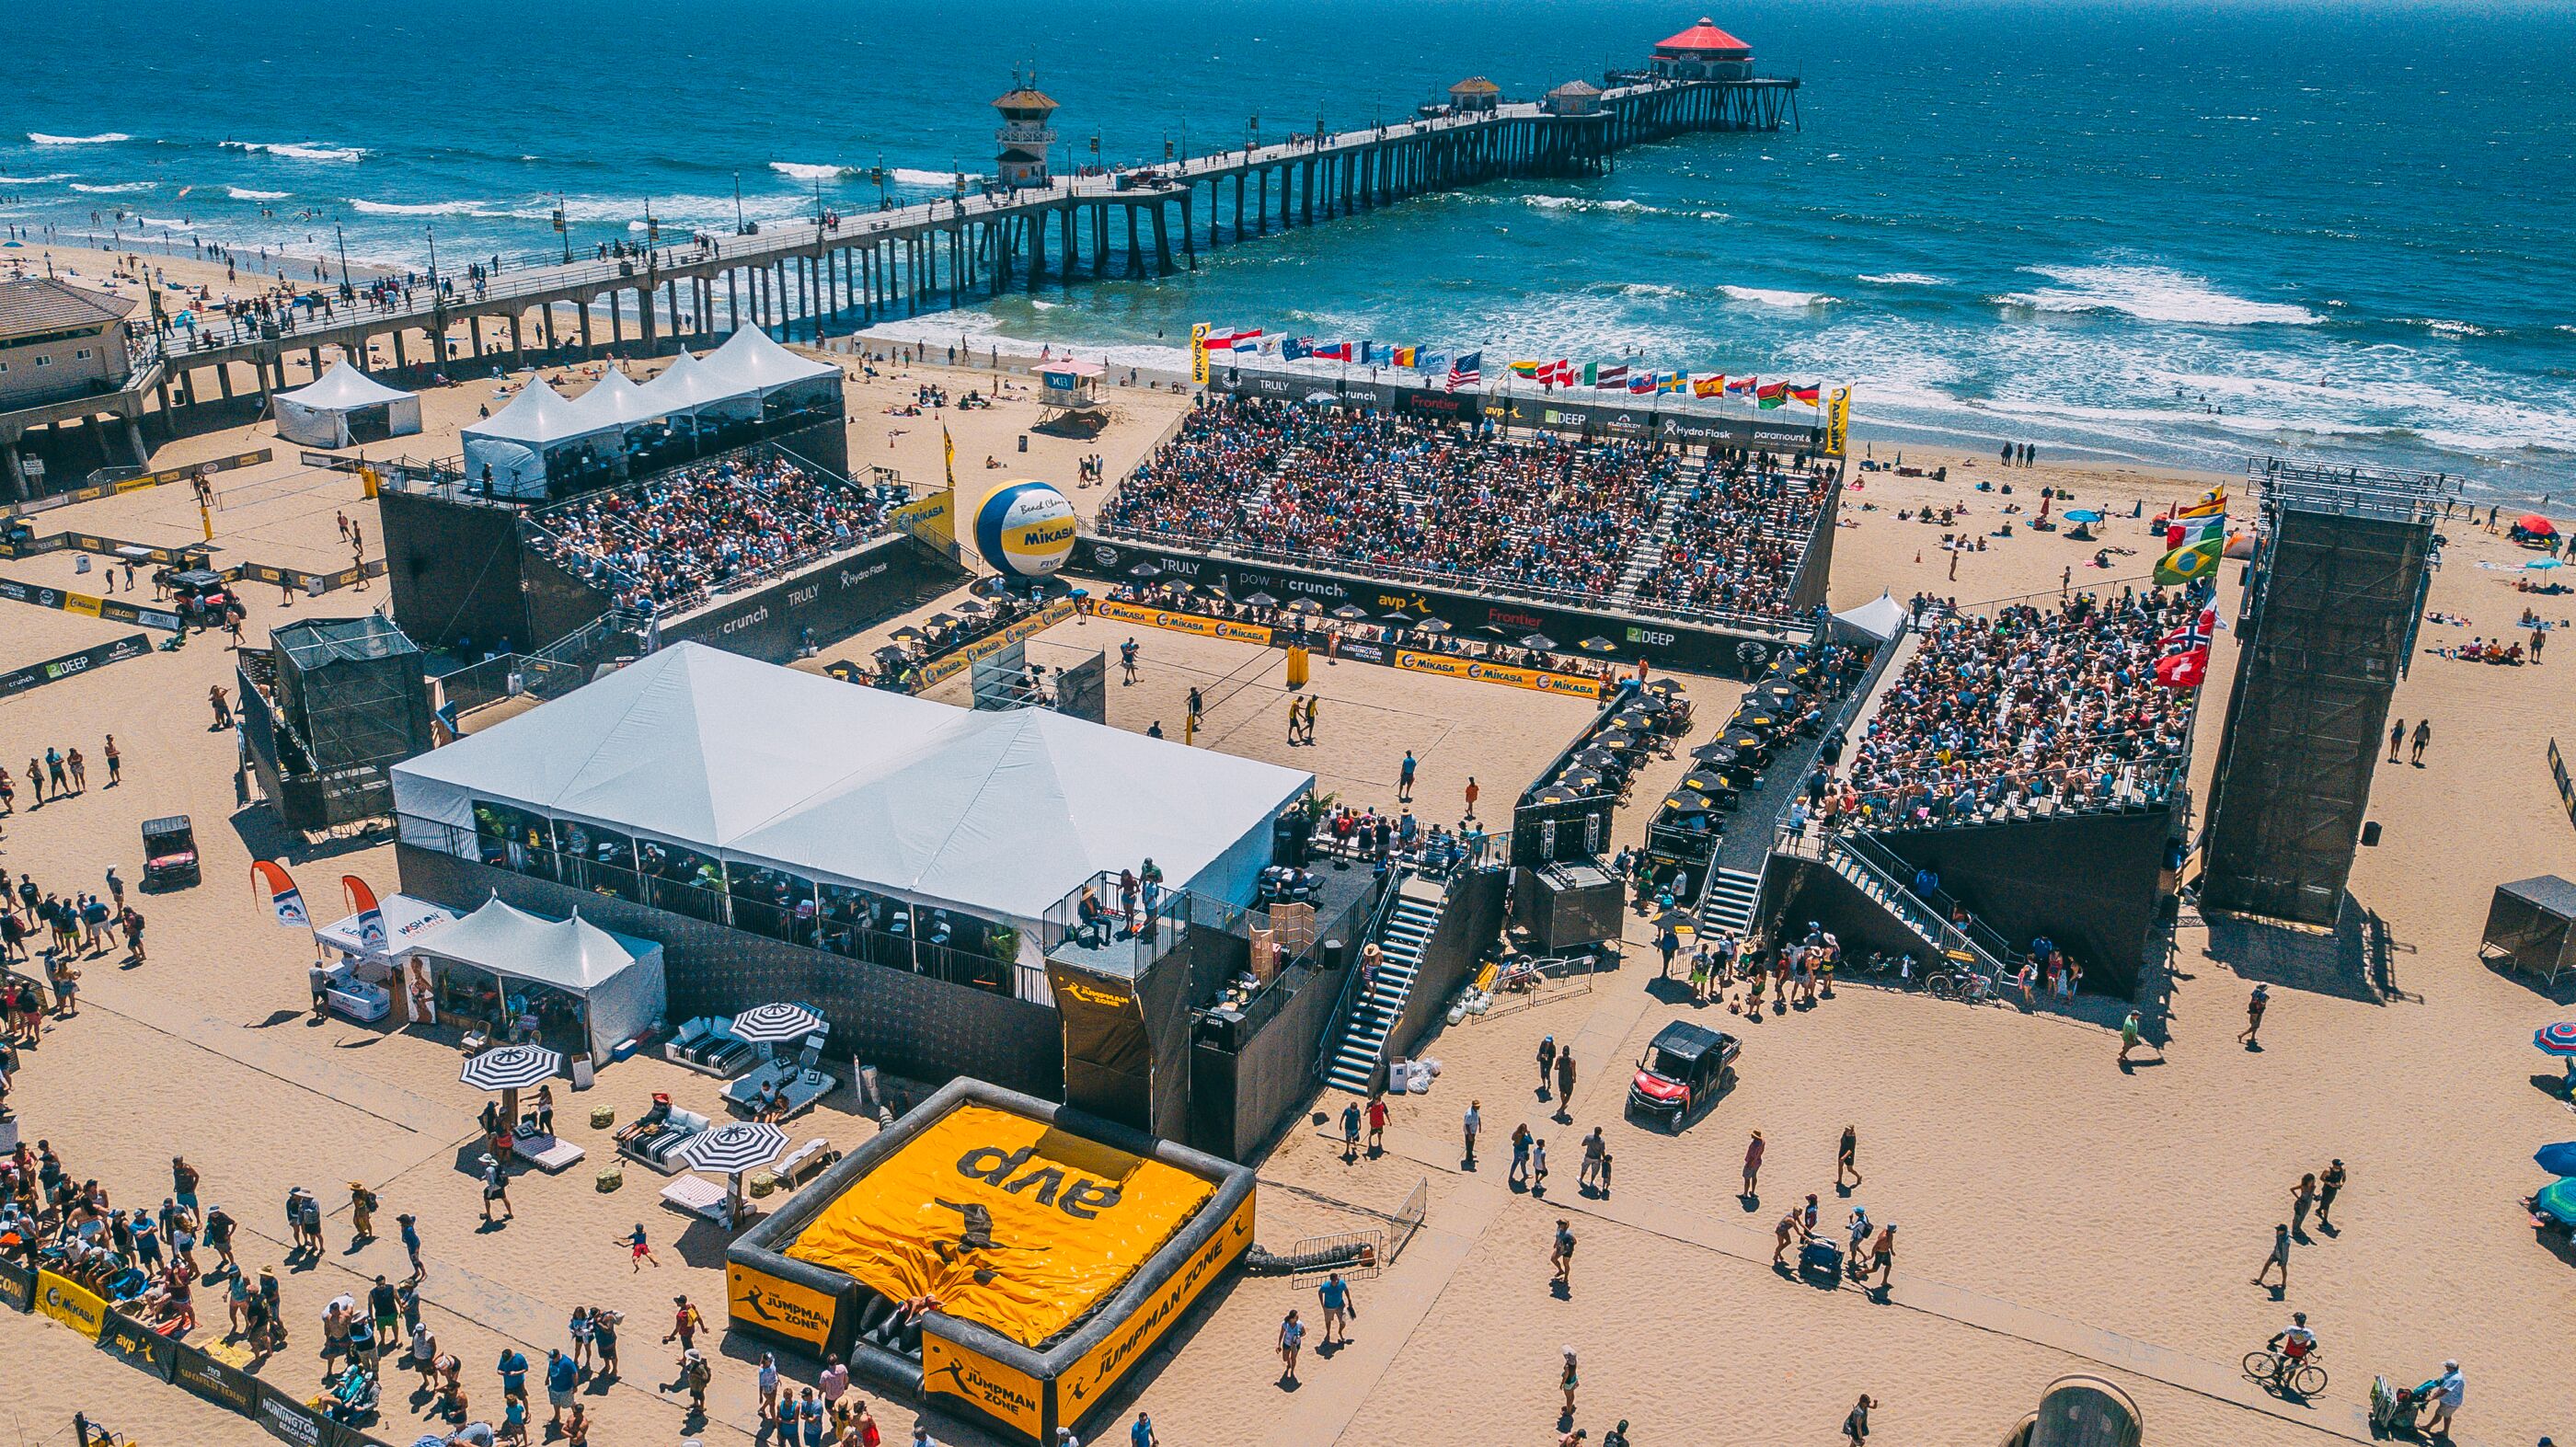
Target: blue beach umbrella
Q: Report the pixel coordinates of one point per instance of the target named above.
(2082, 515)
(2542, 563)
(2557, 1160)
(2557, 1201)
(2558, 1039)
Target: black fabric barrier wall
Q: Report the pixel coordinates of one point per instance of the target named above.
(1700, 648)
(54, 670)
(139, 1346)
(1239, 1099)
(2088, 881)
(217, 1382)
(454, 572)
(1585, 411)
(821, 604)
(912, 1025)
(17, 1286)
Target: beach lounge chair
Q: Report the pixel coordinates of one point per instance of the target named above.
(697, 1196)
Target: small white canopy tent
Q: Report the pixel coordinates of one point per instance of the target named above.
(509, 448)
(617, 978)
(615, 403)
(406, 919)
(343, 407)
(1881, 618)
(750, 361)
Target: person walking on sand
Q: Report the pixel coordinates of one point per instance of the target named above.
(1471, 797)
(1781, 1235)
(1521, 1139)
(1567, 1380)
(2329, 1186)
(1546, 1062)
(1846, 1158)
(1404, 779)
(1341, 1308)
(1565, 1084)
(2396, 738)
(2302, 1197)
(1856, 1422)
(1292, 1336)
(1538, 1166)
(2132, 1035)
(1753, 1167)
(2255, 1004)
(1595, 1151)
(2279, 1258)
(1377, 1125)
(1882, 1254)
(1473, 1122)
(1350, 1147)
(2423, 736)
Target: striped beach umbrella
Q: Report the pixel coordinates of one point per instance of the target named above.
(2558, 1039)
(510, 1067)
(2557, 1201)
(776, 1022)
(734, 1147)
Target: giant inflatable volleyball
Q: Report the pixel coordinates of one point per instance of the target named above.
(1025, 529)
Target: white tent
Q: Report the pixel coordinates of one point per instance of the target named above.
(406, 919)
(344, 406)
(617, 978)
(750, 361)
(1881, 618)
(687, 386)
(615, 403)
(1000, 815)
(509, 448)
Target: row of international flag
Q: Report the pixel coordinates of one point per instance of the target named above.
(2195, 543)
(1467, 369)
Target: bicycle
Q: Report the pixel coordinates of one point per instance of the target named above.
(1962, 984)
(2303, 1378)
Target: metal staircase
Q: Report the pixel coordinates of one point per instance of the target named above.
(1871, 869)
(1400, 944)
(1728, 902)
(1648, 548)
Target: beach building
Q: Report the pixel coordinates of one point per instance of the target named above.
(1026, 135)
(63, 358)
(909, 868)
(1474, 94)
(1574, 98)
(1703, 52)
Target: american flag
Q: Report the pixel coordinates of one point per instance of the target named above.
(1467, 371)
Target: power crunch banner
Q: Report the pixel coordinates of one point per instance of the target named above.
(1007, 1221)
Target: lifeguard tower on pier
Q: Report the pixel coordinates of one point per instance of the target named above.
(1703, 52)
(1026, 136)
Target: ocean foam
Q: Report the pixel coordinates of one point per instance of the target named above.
(301, 150)
(905, 176)
(426, 208)
(121, 188)
(105, 138)
(1766, 297)
(45, 180)
(244, 193)
(2152, 294)
(1905, 278)
(2449, 328)
(164, 221)
(804, 172)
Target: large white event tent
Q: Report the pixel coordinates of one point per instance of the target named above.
(508, 449)
(614, 403)
(751, 362)
(346, 406)
(686, 388)
(616, 979)
(1000, 815)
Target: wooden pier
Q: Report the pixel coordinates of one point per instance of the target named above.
(806, 279)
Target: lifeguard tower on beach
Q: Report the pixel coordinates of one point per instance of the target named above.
(1026, 135)
(1069, 396)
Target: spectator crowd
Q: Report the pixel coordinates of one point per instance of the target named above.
(1737, 538)
(663, 545)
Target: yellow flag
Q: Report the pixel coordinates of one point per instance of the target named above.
(948, 448)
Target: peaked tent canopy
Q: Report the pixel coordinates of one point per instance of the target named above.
(750, 361)
(345, 406)
(617, 977)
(615, 402)
(510, 446)
(687, 386)
(1703, 38)
(1882, 618)
(999, 814)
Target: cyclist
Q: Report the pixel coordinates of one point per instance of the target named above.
(2291, 1345)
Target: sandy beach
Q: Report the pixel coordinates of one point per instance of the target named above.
(2059, 1215)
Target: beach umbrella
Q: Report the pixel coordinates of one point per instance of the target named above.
(974, 607)
(1687, 801)
(1743, 742)
(510, 1069)
(1553, 794)
(907, 633)
(1597, 759)
(1714, 755)
(2557, 1201)
(2558, 1039)
(1399, 618)
(1597, 644)
(1756, 720)
(1581, 779)
(2082, 515)
(2557, 1160)
(1431, 625)
(1539, 641)
(1350, 612)
(1305, 605)
(1615, 739)
(1262, 600)
(776, 1022)
(1783, 691)
(1709, 784)
(943, 620)
(1218, 588)
(1664, 686)
(2542, 563)
(2533, 522)
(731, 1149)
(1144, 570)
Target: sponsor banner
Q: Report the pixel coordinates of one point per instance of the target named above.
(139, 1345)
(82, 604)
(218, 1382)
(72, 1304)
(17, 1286)
(946, 666)
(1002, 1392)
(114, 610)
(773, 1303)
(289, 1420)
(1204, 627)
(1101, 1367)
(97, 543)
(117, 610)
(1108, 1056)
(54, 670)
(1537, 679)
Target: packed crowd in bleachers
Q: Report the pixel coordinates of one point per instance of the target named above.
(1387, 494)
(1736, 540)
(664, 544)
(2030, 709)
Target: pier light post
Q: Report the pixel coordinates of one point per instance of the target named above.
(563, 227)
(737, 203)
(433, 255)
(337, 235)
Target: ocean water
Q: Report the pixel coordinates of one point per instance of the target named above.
(2185, 234)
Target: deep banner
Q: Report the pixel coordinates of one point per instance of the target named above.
(54, 670)
(1108, 1057)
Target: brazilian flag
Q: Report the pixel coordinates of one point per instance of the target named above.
(2191, 564)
